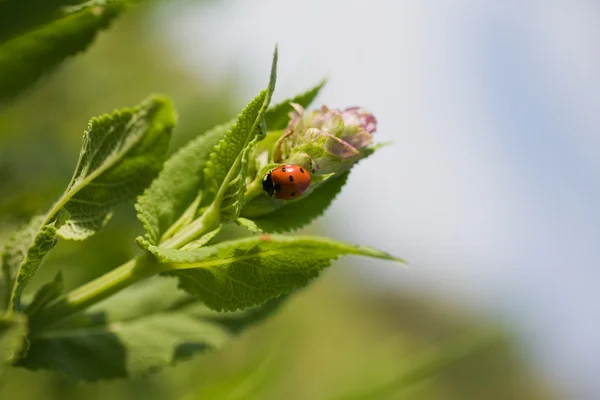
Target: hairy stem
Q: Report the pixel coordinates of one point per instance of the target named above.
(186, 218)
(209, 221)
(94, 291)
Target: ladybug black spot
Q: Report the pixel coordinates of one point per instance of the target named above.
(282, 169)
(293, 194)
(277, 187)
(301, 171)
(291, 178)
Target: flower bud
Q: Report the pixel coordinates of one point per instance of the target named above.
(326, 140)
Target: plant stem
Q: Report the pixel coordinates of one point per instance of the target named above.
(209, 221)
(94, 291)
(185, 219)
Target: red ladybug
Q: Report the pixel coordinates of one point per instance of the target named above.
(286, 182)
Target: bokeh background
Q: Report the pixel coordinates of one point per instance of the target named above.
(490, 189)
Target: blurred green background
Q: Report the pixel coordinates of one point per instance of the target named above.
(332, 340)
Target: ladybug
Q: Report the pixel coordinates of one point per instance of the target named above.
(286, 182)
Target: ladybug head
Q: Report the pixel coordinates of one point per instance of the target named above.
(268, 185)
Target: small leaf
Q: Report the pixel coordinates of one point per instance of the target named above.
(24, 59)
(121, 154)
(277, 116)
(203, 240)
(23, 254)
(13, 339)
(241, 273)
(137, 332)
(224, 172)
(47, 293)
(177, 185)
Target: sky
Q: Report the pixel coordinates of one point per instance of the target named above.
(491, 187)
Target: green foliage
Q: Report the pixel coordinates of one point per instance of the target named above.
(23, 254)
(19, 16)
(173, 199)
(135, 333)
(46, 294)
(277, 117)
(179, 182)
(63, 32)
(241, 273)
(121, 154)
(202, 186)
(225, 172)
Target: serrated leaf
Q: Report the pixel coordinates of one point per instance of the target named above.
(121, 154)
(224, 170)
(241, 273)
(13, 339)
(24, 59)
(203, 240)
(23, 254)
(47, 293)
(179, 182)
(137, 332)
(277, 116)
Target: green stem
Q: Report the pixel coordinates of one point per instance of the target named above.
(94, 291)
(185, 219)
(208, 222)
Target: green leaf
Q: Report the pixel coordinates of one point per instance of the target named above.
(23, 254)
(24, 59)
(121, 154)
(241, 273)
(137, 332)
(47, 293)
(177, 185)
(277, 116)
(224, 172)
(203, 240)
(17, 16)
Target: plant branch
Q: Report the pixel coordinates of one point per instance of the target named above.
(95, 291)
